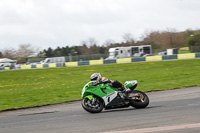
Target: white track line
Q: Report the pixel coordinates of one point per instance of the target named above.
(156, 129)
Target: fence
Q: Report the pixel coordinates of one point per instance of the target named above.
(74, 58)
(192, 49)
(195, 49)
(85, 57)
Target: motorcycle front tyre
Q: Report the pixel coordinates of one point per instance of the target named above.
(92, 109)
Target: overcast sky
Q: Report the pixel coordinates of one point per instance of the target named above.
(52, 23)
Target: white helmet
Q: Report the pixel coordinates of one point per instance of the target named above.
(95, 77)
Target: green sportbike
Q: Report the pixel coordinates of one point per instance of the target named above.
(97, 96)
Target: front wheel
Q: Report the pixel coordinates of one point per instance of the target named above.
(94, 106)
(138, 99)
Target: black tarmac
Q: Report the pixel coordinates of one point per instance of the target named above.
(168, 109)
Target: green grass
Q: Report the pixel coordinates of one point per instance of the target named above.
(27, 88)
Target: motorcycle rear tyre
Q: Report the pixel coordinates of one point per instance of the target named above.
(139, 104)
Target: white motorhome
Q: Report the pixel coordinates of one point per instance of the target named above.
(130, 51)
(53, 60)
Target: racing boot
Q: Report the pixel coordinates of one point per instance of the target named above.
(126, 91)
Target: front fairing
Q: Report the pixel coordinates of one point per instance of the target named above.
(86, 86)
(99, 90)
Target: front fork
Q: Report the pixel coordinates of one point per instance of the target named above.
(91, 98)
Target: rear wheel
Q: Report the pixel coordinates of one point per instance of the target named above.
(138, 99)
(94, 106)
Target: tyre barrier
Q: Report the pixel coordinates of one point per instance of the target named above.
(112, 61)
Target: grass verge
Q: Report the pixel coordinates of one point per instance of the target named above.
(27, 88)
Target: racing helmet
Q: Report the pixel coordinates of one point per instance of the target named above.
(95, 77)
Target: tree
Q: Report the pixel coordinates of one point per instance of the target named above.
(64, 51)
(108, 43)
(172, 39)
(9, 53)
(57, 52)
(1, 54)
(194, 40)
(83, 49)
(152, 38)
(25, 50)
(94, 49)
(41, 54)
(49, 52)
(129, 40)
(89, 47)
(194, 43)
(164, 39)
(103, 50)
(74, 50)
(92, 42)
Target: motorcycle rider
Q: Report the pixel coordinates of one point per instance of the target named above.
(97, 77)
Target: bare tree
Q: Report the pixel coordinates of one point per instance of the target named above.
(129, 39)
(89, 46)
(83, 49)
(108, 43)
(152, 38)
(92, 42)
(9, 53)
(1, 54)
(25, 50)
(93, 46)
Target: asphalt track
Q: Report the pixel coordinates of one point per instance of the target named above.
(172, 111)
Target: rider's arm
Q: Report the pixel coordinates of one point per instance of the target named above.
(106, 81)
